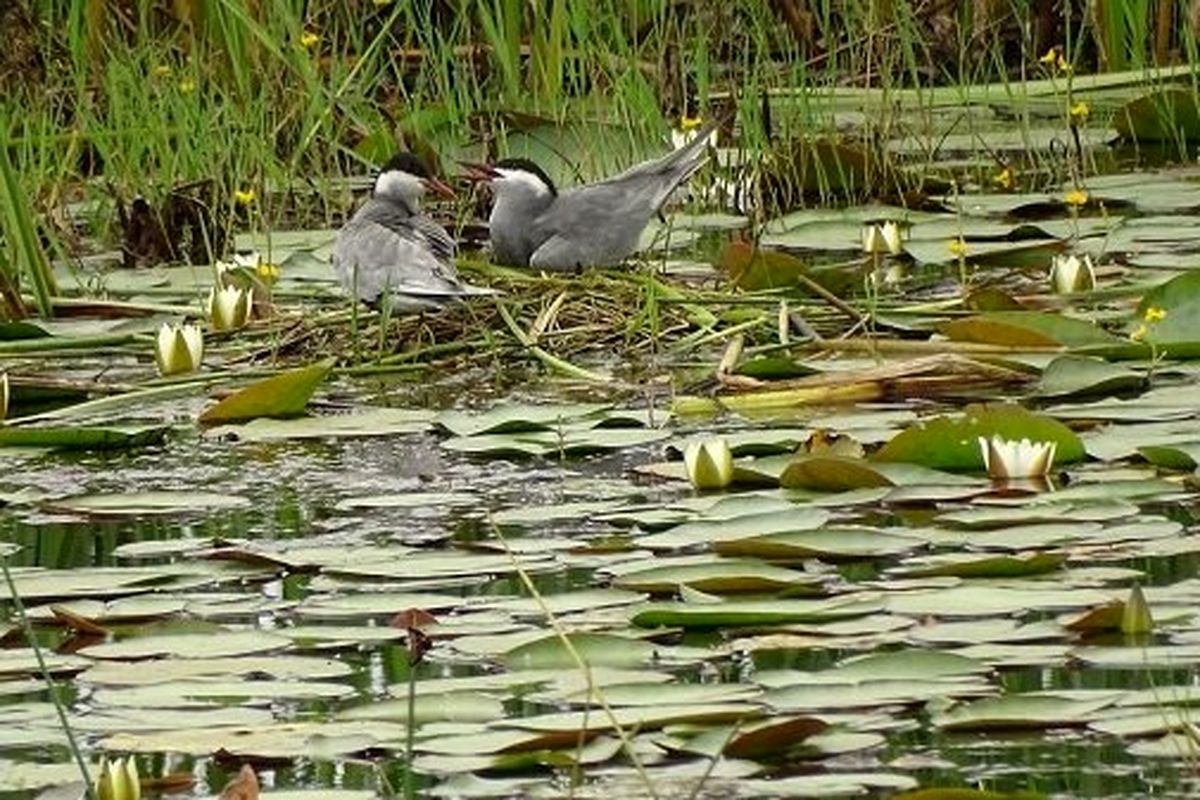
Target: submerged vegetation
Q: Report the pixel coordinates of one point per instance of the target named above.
(873, 474)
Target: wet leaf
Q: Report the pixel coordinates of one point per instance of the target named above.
(1027, 329)
(1083, 375)
(82, 438)
(283, 395)
(1020, 711)
(951, 442)
(148, 503)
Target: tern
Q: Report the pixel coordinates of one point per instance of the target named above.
(535, 224)
(389, 247)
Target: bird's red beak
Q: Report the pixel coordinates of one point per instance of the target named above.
(479, 172)
(438, 187)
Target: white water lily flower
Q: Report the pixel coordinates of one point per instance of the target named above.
(1072, 274)
(179, 349)
(885, 238)
(709, 464)
(3, 396)
(118, 780)
(1006, 458)
(229, 308)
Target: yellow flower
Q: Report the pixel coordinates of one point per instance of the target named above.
(244, 197)
(268, 272)
(1005, 178)
(308, 39)
(687, 123)
(161, 71)
(1155, 314)
(187, 86)
(1051, 56)
(1063, 64)
(1076, 197)
(1080, 111)
(958, 247)
(1139, 333)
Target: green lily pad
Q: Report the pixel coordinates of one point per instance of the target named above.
(148, 503)
(82, 438)
(1027, 329)
(283, 395)
(1072, 375)
(951, 442)
(1021, 711)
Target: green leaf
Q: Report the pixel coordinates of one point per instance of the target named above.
(1180, 299)
(282, 395)
(1166, 115)
(64, 437)
(1081, 375)
(1027, 329)
(951, 442)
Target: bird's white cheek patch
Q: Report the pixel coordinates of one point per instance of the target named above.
(526, 180)
(398, 184)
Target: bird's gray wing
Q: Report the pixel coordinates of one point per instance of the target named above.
(594, 225)
(371, 258)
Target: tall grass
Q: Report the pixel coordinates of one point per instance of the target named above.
(279, 95)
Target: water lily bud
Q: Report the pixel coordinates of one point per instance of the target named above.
(709, 464)
(885, 238)
(229, 308)
(178, 349)
(872, 239)
(3, 396)
(892, 238)
(103, 784)
(1135, 616)
(126, 785)
(1072, 274)
(1017, 459)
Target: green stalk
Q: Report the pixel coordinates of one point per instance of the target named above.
(27, 628)
(18, 227)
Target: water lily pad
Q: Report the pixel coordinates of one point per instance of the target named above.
(598, 649)
(1027, 329)
(1073, 375)
(213, 644)
(144, 503)
(717, 576)
(951, 442)
(283, 395)
(512, 418)
(707, 532)
(748, 612)
(82, 438)
(827, 543)
(363, 422)
(1021, 711)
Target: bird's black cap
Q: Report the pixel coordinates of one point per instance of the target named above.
(528, 166)
(405, 161)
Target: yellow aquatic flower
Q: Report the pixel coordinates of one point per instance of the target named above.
(244, 197)
(268, 272)
(1063, 64)
(1080, 111)
(687, 123)
(161, 71)
(1139, 332)
(1076, 197)
(1005, 178)
(1051, 56)
(187, 86)
(1155, 314)
(958, 247)
(308, 39)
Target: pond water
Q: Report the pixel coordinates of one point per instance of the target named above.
(320, 542)
(829, 626)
